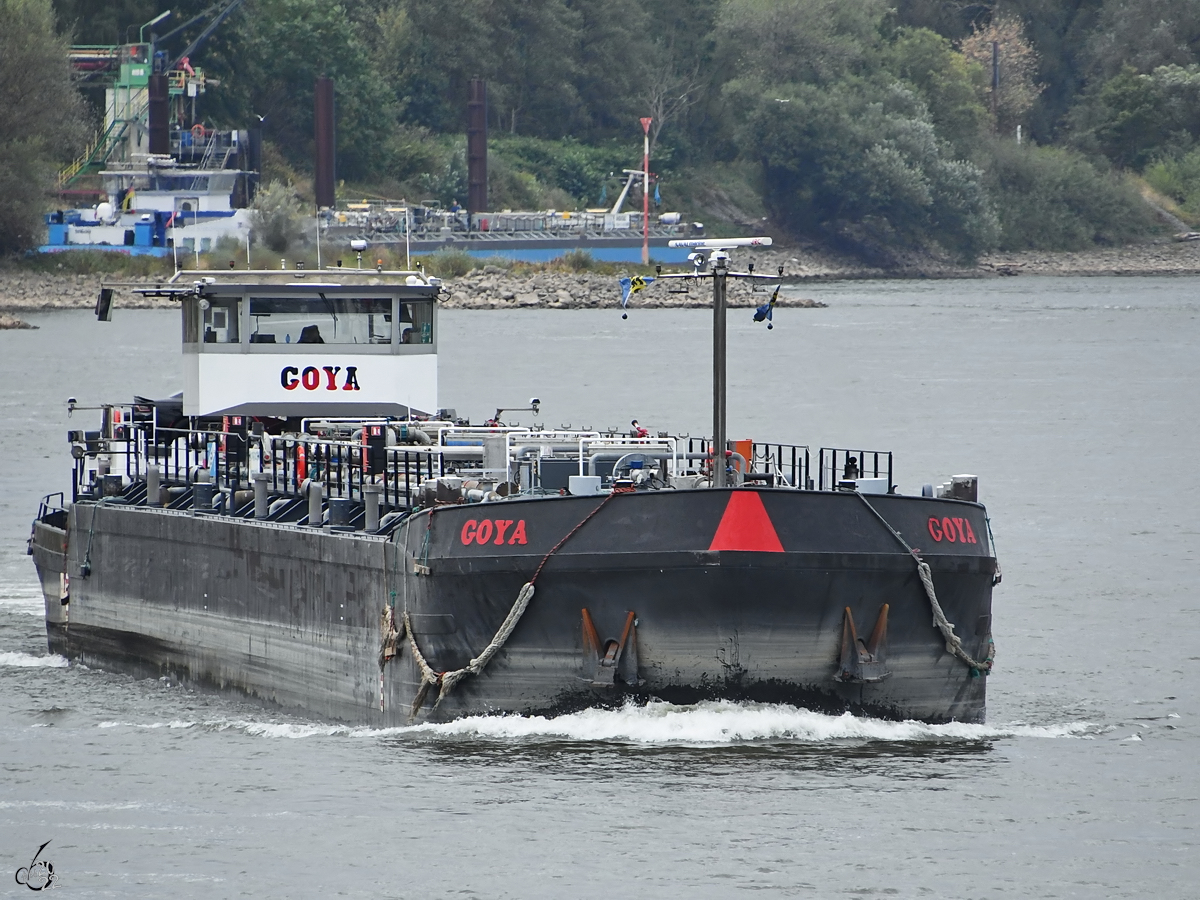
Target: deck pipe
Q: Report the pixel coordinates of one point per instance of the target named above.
(261, 504)
(153, 491)
(371, 494)
(314, 504)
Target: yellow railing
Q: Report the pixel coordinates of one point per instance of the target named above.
(68, 173)
(101, 147)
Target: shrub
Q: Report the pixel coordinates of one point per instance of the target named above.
(95, 262)
(1051, 199)
(577, 261)
(278, 216)
(448, 263)
(1179, 179)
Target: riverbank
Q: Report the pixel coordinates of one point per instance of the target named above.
(1161, 257)
(487, 288)
(492, 287)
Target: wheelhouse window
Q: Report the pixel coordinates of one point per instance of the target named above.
(322, 320)
(221, 320)
(416, 322)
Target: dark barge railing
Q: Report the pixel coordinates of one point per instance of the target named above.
(229, 458)
(231, 455)
(833, 467)
(786, 465)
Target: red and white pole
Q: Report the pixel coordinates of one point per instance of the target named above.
(646, 191)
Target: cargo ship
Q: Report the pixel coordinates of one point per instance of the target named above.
(305, 526)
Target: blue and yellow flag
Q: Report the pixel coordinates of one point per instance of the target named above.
(630, 286)
(767, 310)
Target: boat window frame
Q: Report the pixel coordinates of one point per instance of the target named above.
(279, 296)
(244, 293)
(238, 320)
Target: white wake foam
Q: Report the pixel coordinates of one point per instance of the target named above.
(704, 724)
(27, 660)
(725, 722)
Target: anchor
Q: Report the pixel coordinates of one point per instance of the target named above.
(863, 662)
(611, 657)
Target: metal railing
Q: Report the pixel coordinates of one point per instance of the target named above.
(788, 465)
(834, 466)
(232, 457)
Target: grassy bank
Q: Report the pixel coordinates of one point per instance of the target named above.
(444, 264)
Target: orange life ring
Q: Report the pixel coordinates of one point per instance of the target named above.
(198, 131)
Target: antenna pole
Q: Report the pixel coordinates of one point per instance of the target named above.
(719, 358)
(718, 264)
(646, 191)
(995, 81)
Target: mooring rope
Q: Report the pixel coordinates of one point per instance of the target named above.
(953, 641)
(85, 568)
(390, 636)
(446, 681)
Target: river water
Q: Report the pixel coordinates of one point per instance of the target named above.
(1074, 401)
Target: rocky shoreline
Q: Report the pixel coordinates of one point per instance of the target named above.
(8, 322)
(496, 288)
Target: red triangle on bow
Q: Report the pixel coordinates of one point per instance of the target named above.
(746, 526)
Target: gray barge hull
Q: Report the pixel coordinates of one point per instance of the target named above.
(292, 615)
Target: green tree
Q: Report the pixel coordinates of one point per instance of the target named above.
(800, 41)
(426, 51)
(681, 77)
(948, 82)
(1133, 119)
(103, 23)
(615, 57)
(280, 51)
(867, 171)
(1144, 34)
(41, 118)
(1018, 61)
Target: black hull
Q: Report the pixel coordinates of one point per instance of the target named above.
(291, 615)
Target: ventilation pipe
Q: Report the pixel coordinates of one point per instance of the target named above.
(325, 162)
(159, 110)
(477, 171)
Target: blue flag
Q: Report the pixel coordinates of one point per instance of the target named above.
(603, 195)
(657, 196)
(767, 310)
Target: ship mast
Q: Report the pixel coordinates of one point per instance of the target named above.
(719, 272)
